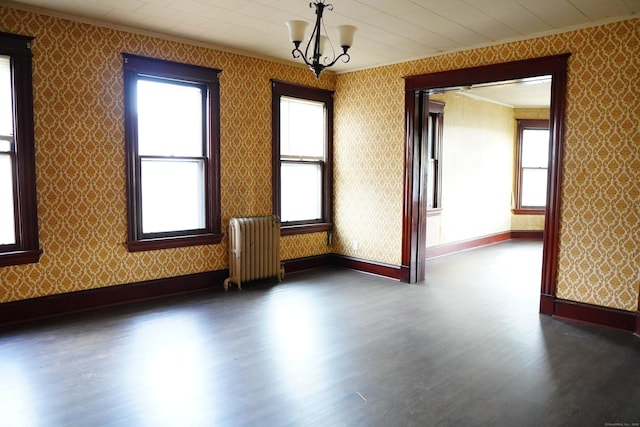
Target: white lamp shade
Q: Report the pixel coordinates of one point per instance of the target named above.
(323, 44)
(296, 30)
(346, 34)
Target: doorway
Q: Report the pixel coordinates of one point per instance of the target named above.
(486, 166)
(417, 90)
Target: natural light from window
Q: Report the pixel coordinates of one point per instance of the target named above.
(171, 150)
(301, 191)
(535, 160)
(302, 141)
(7, 225)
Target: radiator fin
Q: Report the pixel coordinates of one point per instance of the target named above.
(254, 249)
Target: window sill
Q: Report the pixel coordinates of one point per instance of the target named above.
(528, 211)
(290, 230)
(20, 257)
(434, 211)
(173, 242)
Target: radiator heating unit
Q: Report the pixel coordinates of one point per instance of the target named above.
(254, 249)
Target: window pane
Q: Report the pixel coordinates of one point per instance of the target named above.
(7, 226)
(6, 95)
(169, 119)
(432, 136)
(534, 187)
(302, 127)
(431, 183)
(173, 196)
(301, 189)
(535, 148)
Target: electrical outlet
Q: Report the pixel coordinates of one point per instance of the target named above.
(355, 246)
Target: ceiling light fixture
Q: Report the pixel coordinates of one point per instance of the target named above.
(317, 61)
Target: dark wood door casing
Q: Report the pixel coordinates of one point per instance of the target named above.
(416, 90)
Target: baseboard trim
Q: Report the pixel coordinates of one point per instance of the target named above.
(527, 234)
(306, 263)
(365, 266)
(48, 306)
(449, 248)
(22, 311)
(547, 304)
(70, 302)
(596, 315)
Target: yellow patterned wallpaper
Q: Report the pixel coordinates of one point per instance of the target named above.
(80, 163)
(80, 157)
(527, 222)
(531, 113)
(599, 253)
(369, 164)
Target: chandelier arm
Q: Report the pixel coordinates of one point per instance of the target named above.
(346, 57)
(306, 50)
(297, 53)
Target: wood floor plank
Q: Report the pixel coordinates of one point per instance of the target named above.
(329, 347)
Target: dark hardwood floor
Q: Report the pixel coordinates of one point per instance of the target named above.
(329, 348)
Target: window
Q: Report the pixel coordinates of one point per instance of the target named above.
(302, 157)
(434, 154)
(172, 132)
(532, 166)
(19, 226)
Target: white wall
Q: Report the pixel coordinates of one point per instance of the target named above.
(477, 170)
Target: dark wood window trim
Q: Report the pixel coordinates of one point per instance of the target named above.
(140, 67)
(280, 89)
(523, 124)
(435, 111)
(528, 211)
(26, 250)
(413, 231)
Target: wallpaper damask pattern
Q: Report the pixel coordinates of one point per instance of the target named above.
(527, 222)
(599, 251)
(80, 158)
(369, 164)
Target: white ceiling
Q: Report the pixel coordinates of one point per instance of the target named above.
(525, 93)
(389, 31)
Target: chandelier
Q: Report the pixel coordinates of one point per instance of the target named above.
(314, 54)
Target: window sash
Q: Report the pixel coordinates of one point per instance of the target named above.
(6, 97)
(162, 202)
(18, 151)
(302, 191)
(320, 101)
(535, 148)
(189, 197)
(302, 128)
(532, 166)
(174, 187)
(8, 238)
(434, 129)
(180, 108)
(534, 188)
